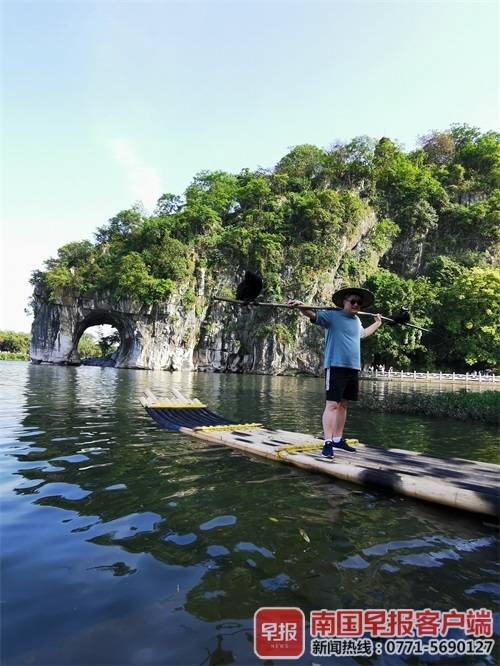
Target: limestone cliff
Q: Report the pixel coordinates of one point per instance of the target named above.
(203, 334)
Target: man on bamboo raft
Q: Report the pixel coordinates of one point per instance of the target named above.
(342, 362)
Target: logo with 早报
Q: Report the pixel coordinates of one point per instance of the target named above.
(279, 633)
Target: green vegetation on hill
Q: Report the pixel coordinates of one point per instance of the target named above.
(434, 246)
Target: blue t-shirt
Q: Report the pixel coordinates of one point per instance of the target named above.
(342, 338)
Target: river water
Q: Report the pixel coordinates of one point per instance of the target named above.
(125, 544)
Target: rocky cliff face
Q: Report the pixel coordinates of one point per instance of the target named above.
(221, 338)
(203, 335)
(149, 337)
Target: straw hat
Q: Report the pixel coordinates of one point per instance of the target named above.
(366, 296)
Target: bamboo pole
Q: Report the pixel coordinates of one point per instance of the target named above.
(309, 307)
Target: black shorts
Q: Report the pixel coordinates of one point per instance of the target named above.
(341, 384)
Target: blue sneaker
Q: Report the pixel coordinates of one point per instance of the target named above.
(344, 446)
(328, 449)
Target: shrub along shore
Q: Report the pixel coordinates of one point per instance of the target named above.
(484, 406)
(13, 356)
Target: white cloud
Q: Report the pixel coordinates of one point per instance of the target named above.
(144, 182)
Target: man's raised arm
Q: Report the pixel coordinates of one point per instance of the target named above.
(311, 314)
(373, 327)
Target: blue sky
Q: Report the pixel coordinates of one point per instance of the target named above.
(108, 103)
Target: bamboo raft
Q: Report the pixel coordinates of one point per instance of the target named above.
(462, 484)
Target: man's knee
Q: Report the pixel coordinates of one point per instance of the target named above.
(332, 406)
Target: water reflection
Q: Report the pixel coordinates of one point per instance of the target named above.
(150, 548)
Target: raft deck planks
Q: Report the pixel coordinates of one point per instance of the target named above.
(458, 483)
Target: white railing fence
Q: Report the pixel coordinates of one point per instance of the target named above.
(375, 373)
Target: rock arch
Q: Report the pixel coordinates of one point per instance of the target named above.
(173, 335)
(98, 318)
(149, 338)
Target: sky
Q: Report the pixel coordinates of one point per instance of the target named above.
(108, 103)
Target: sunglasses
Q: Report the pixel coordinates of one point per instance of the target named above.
(354, 301)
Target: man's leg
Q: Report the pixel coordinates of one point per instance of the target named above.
(334, 418)
(330, 418)
(338, 441)
(340, 416)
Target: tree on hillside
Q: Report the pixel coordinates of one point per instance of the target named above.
(351, 165)
(443, 271)
(119, 226)
(303, 165)
(439, 147)
(396, 345)
(168, 204)
(75, 254)
(468, 317)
